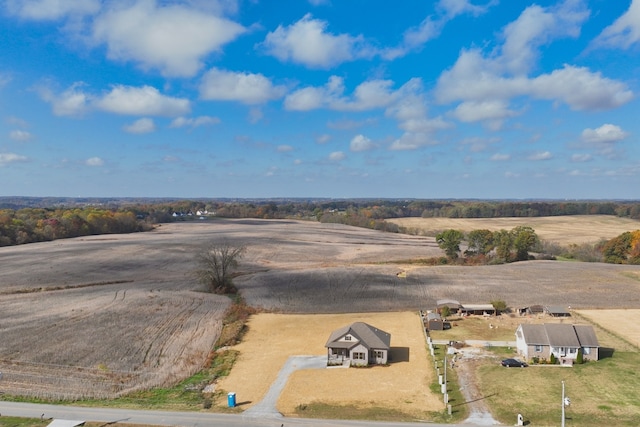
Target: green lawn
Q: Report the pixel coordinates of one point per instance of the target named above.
(606, 392)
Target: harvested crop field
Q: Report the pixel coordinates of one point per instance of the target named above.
(102, 315)
(272, 338)
(623, 323)
(559, 229)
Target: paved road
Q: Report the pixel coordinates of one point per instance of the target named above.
(195, 419)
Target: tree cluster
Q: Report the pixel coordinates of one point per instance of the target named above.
(507, 245)
(623, 249)
(37, 225)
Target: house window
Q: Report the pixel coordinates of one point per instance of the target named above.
(586, 350)
(358, 356)
(572, 351)
(378, 354)
(347, 337)
(538, 349)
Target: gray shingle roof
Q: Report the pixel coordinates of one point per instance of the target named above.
(368, 335)
(560, 335)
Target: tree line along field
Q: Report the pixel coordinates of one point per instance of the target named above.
(564, 230)
(103, 315)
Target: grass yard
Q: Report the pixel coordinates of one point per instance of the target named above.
(601, 393)
(623, 323)
(399, 388)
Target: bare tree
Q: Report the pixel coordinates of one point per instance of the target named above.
(216, 262)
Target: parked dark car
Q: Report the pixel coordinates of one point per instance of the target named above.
(513, 363)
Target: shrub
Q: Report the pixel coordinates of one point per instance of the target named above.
(579, 357)
(552, 359)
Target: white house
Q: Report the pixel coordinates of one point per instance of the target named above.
(562, 340)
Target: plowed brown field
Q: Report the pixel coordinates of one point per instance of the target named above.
(102, 315)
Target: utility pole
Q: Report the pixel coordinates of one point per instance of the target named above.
(562, 424)
(565, 402)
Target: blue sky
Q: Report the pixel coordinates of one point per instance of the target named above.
(320, 98)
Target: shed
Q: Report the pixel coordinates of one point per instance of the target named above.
(481, 309)
(557, 311)
(434, 322)
(454, 306)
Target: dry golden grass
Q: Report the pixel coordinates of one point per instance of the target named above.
(560, 229)
(624, 323)
(272, 338)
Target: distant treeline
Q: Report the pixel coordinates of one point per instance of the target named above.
(59, 218)
(31, 225)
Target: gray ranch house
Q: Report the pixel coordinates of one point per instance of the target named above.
(562, 340)
(358, 344)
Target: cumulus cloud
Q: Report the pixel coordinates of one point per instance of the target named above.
(431, 26)
(173, 38)
(284, 148)
(605, 134)
(49, 10)
(307, 42)
(540, 155)
(20, 135)
(94, 161)
(194, 122)
(579, 158)
(323, 139)
(8, 158)
(221, 85)
(360, 143)
(368, 95)
(412, 141)
(140, 126)
(336, 156)
(496, 78)
(71, 102)
(145, 100)
(624, 32)
(500, 157)
(127, 100)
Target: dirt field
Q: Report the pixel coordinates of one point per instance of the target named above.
(272, 338)
(123, 311)
(560, 229)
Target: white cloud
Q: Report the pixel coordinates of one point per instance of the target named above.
(145, 100)
(624, 32)
(71, 102)
(174, 38)
(284, 148)
(412, 141)
(7, 158)
(605, 134)
(46, 10)
(323, 139)
(255, 115)
(541, 155)
(500, 157)
(144, 125)
(194, 122)
(360, 143)
(536, 26)
(474, 111)
(431, 27)
(579, 158)
(581, 89)
(20, 135)
(94, 161)
(368, 95)
(307, 42)
(220, 85)
(336, 156)
(493, 80)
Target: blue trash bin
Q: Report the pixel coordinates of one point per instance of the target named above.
(231, 399)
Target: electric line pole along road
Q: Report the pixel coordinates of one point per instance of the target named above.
(186, 419)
